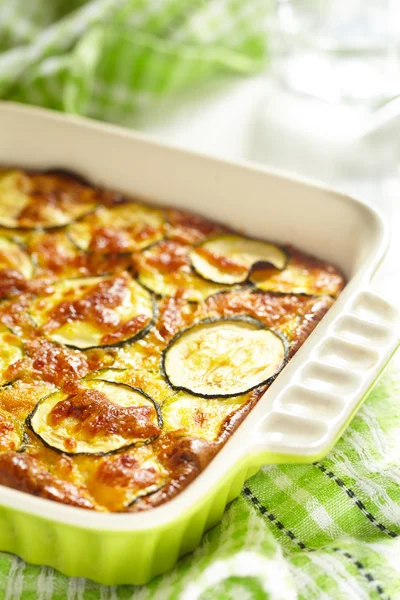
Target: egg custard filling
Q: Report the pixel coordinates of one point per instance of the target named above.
(134, 339)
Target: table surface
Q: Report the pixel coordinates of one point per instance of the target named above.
(255, 120)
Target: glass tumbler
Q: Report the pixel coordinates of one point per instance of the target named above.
(339, 50)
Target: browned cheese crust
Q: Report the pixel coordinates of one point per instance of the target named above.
(68, 230)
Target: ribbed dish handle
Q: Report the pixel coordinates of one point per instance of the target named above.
(309, 414)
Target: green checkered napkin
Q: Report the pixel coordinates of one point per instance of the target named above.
(328, 531)
(103, 58)
(325, 531)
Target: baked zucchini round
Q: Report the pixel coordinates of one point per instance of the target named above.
(299, 279)
(34, 201)
(125, 228)
(165, 269)
(228, 259)
(218, 358)
(94, 311)
(11, 351)
(12, 436)
(96, 417)
(13, 257)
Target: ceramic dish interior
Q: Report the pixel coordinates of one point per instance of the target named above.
(303, 412)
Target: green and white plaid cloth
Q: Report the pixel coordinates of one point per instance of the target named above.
(104, 58)
(328, 531)
(325, 531)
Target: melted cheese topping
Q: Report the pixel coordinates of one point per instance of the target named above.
(165, 269)
(126, 228)
(93, 311)
(75, 311)
(302, 275)
(95, 417)
(120, 479)
(13, 257)
(11, 352)
(199, 417)
(35, 200)
(11, 433)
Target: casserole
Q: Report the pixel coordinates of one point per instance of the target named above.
(304, 410)
(136, 338)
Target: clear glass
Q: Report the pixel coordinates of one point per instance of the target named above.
(339, 50)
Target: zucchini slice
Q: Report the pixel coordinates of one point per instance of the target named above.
(165, 269)
(94, 311)
(11, 351)
(198, 417)
(219, 358)
(42, 201)
(13, 257)
(20, 236)
(298, 278)
(124, 228)
(11, 433)
(96, 417)
(228, 259)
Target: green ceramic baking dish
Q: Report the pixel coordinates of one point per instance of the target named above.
(304, 411)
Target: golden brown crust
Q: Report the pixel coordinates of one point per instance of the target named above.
(147, 475)
(97, 415)
(317, 309)
(44, 191)
(169, 258)
(26, 474)
(303, 274)
(184, 458)
(190, 228)
(55, 256)
(94, 306)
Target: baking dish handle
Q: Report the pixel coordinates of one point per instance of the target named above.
(310, 413)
